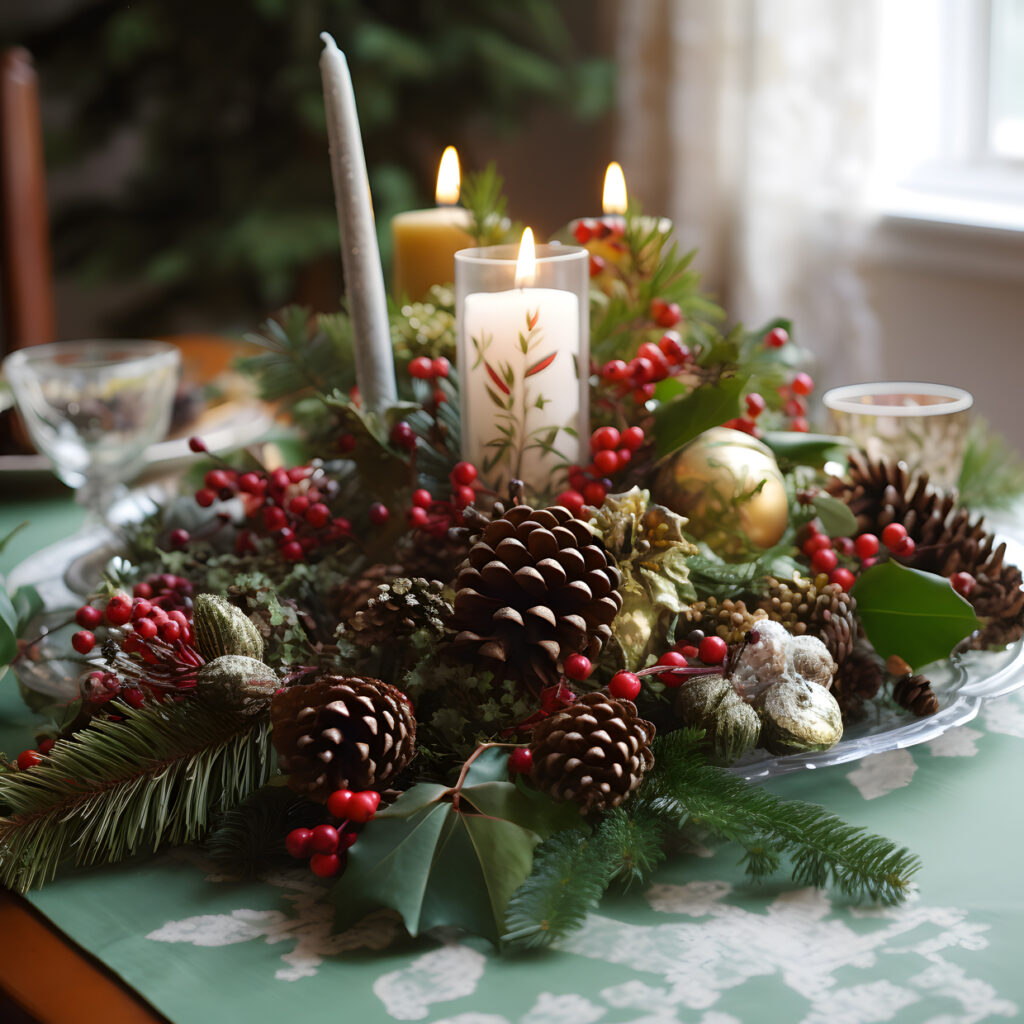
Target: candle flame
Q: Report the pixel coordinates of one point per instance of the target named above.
(526, 264)
(448, 178)
(614, 197)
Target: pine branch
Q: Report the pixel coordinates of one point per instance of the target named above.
(482, 195)
(632, 840)
(118, 788)
(569, 877)
(824, 849)
(992, 473)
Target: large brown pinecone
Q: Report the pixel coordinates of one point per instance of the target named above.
(594, 752)
(537, 586)
(948, 539)
(815, 607)
(729, 619)
(342, 733)
(399, 608)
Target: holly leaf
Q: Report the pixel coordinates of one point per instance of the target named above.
(835, 516)
(796, 448)
(914, 614)
(439, 861)
(681, 420)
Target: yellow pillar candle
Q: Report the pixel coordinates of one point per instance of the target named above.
(425, 241)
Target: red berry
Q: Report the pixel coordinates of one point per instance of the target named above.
(274, 518)
(83, 641)
(403, 436)
(843, 577)
(672, 348)
(520, 761)
(712, 650)
(632, 438)
(800, 425)
(325, 865)
(346, 443)
(865, 545)
(88, 617)
(643, 394)
(844, 546)
(170, 631)
(417, 517)
(597, 264)
(252, 483)
(338, 801)
(178, 539)
(205, 497)
(816, 542)
(298, 473)
(802, 384)
(594, 493)
(146, 628)
(625, 685)
(672, 659)
(604, 438)
(755, 404)
(582, 232)
(45, 746)
(347, 839)
(421, 368)
(324, 839)
(894, 535)
(379, 514)
(688, 651)
(824, 560)
(606, 462)
(292, 551)
(197, 444)
(133, 697)
(141, 608)
(667, 314)
(578, 667)
(217, 480)
(29, 759)
(615, 370)
(572, 500)
(905, 548)
(142, 590)
(440, 367)
(464, 473)
(641, 370)
(963, 583)
(422, 498)
(118, 610)
(298, 505)
(318, 515)
(297, 842)
(776, 337)
(464, 496)
(363, 806)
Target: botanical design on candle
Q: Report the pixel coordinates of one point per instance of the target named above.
(515, 400)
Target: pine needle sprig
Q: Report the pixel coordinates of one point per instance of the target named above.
(824, 850)
(483, 195)
(119, 788)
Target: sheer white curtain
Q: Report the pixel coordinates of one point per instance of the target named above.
(749, 123)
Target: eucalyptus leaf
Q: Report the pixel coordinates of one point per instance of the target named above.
(914, 614)
(681, 420)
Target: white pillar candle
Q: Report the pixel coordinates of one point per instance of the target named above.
(360, 255)
(521, 384)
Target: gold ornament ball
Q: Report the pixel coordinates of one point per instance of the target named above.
(730, 487)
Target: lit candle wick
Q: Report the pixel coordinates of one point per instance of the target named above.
(449, 179)
(613, 200)
(526, 264)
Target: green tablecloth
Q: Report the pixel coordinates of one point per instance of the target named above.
(699, 946)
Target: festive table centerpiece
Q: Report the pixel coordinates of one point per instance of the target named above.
(496, 634)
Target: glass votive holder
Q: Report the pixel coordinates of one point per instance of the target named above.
(923, 425)
(523, 361)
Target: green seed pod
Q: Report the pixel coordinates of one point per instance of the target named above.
(731, 726)
(799, 716)
(247, 680)
(220, 628)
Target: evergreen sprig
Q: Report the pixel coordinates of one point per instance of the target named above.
(483, 195)
(119, 788)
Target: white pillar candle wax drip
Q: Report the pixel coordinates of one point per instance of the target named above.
(523, 403)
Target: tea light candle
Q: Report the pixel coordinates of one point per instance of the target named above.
(425, 241)
(524, 403)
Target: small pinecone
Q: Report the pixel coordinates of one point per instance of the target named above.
(815, 607)
(435, 559)
(399, 608)
(730, 619)
(342, 733)
(915, 693)
(859, 678)
(594, 752)
(354, 595)
(537, 586)
(998, 598)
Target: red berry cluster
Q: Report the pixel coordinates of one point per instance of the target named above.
(860, 552)
(30, 758)
(291, 506)
(609, 230)
(611, 450)
(652, 363)
(431, 370)
(698, 655)
(435, 516)
(326, 846)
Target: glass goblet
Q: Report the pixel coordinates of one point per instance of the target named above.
(93, 407)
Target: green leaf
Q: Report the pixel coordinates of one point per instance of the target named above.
(536, 813)
(8, 629)
(680, 421)
(794, 447)
(914, 614)
(835, 516)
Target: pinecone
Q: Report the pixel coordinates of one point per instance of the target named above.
(399, 608)
(537, 586)
(594, 752)
(342, 733)
(815, 607)
(947, 539)
(730, 619)
(859, 678)
(915, 693)
(354, 594)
